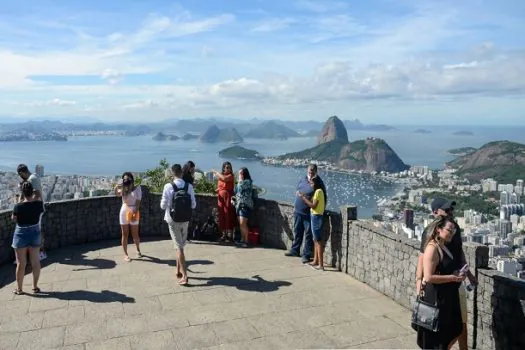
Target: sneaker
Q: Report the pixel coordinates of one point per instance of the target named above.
(43, 256)
(291, 254)
(244, 245)
(305, 260)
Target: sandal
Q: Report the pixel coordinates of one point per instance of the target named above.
(139, 255)
(18, 292)
(183, 282)
(36, 290)
(126, 258)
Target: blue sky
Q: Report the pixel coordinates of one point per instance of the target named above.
(382, 61)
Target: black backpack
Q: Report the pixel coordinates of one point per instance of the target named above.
(181, 204)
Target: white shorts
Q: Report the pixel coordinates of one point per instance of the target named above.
(123, 219)
(178, 233)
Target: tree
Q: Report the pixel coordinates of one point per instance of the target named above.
(156, 178)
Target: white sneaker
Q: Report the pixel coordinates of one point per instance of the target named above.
(43, 256)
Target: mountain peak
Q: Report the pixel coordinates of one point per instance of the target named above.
(333, 129)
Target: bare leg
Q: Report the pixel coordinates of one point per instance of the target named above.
(181, 264)
(243, 223)
(21, 258)
(136, 238)
(124, 241)
(34, 257)
(320, 252)
(463, 338)
(315, 261)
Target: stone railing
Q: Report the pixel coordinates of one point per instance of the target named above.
(73, 222)
(387, 262)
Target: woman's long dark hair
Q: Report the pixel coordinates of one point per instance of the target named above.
(27, 189)
(224, 165)
(245, 173)
(318, 185)
(186, 172)
(125, 189)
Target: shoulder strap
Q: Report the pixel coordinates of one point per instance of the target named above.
(186, 185)
(175, 188)
(445, 249)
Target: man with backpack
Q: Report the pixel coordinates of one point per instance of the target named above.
(178, 201)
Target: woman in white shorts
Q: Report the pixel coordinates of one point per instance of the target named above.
(129, 216)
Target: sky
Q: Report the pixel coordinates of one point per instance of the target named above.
(382, 61)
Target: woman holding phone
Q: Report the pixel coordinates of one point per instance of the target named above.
(129, 215)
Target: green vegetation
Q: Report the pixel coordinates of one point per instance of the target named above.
(238, 152)
(156, 178)
(328, 151)
(477, 201)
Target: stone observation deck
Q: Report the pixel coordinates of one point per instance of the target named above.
(238, 298)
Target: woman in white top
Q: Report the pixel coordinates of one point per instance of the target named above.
(129, 212)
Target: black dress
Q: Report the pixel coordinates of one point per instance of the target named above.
(447, 295)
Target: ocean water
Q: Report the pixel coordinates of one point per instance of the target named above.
(111, 155)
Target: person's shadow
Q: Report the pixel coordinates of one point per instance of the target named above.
(173, 262)
(94, 264)
(105, 296)
(255, 284)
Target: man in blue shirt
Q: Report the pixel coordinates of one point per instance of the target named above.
(302, 218)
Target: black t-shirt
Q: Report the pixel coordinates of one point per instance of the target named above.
(28, 213)
(455, 245)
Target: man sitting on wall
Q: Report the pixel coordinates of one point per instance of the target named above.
(442, 207)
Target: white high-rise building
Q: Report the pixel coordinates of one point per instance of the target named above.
(508, 266)
(514, 219)
(489, 185)
(504, 198)
(514, 198)
(505, 228)
(519, 187)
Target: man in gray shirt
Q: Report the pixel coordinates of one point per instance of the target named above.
(26, 175)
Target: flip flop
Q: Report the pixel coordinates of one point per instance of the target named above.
(126, 258)
(139, 255)
(36, 290)
(18, 292)
(183, 282)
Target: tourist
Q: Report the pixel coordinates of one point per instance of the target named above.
(27, 236)
(188, 172)
(129, 216)
(317, 207)
(225, 193)
(178, 201)
(440, 286)
(302, 220)
(443, 207)
(34, 180)
(243, 201)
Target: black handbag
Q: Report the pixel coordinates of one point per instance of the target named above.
(425, 314)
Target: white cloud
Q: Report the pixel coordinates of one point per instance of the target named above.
(53, 102)
(273, 25)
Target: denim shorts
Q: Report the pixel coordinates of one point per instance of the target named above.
(317, 227)
(244, 212)
(27, 237)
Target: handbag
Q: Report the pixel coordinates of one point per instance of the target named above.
(425, 314)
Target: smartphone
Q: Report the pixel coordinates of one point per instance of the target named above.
(464, 269)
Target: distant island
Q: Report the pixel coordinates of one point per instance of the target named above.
(462, 151)
(423, 131)
(503, 161)
(165, 137)
(238, 152)
(463, 133)
(189, 136)
(215, 134)
(31, 136)
(371, 155)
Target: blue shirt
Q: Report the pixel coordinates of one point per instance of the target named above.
(304, 187)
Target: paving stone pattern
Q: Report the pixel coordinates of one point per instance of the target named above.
(238, 299)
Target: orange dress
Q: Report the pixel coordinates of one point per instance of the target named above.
(226, 209)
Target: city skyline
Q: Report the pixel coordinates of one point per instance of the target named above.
(381, 61)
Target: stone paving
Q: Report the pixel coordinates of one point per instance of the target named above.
(237, 299)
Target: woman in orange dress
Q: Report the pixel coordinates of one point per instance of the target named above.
(224, 194)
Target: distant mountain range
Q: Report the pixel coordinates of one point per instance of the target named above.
(255, 128)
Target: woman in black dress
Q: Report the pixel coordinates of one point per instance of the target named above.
(441, 284)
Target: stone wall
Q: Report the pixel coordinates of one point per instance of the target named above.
(387, 262)
(92, 219)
